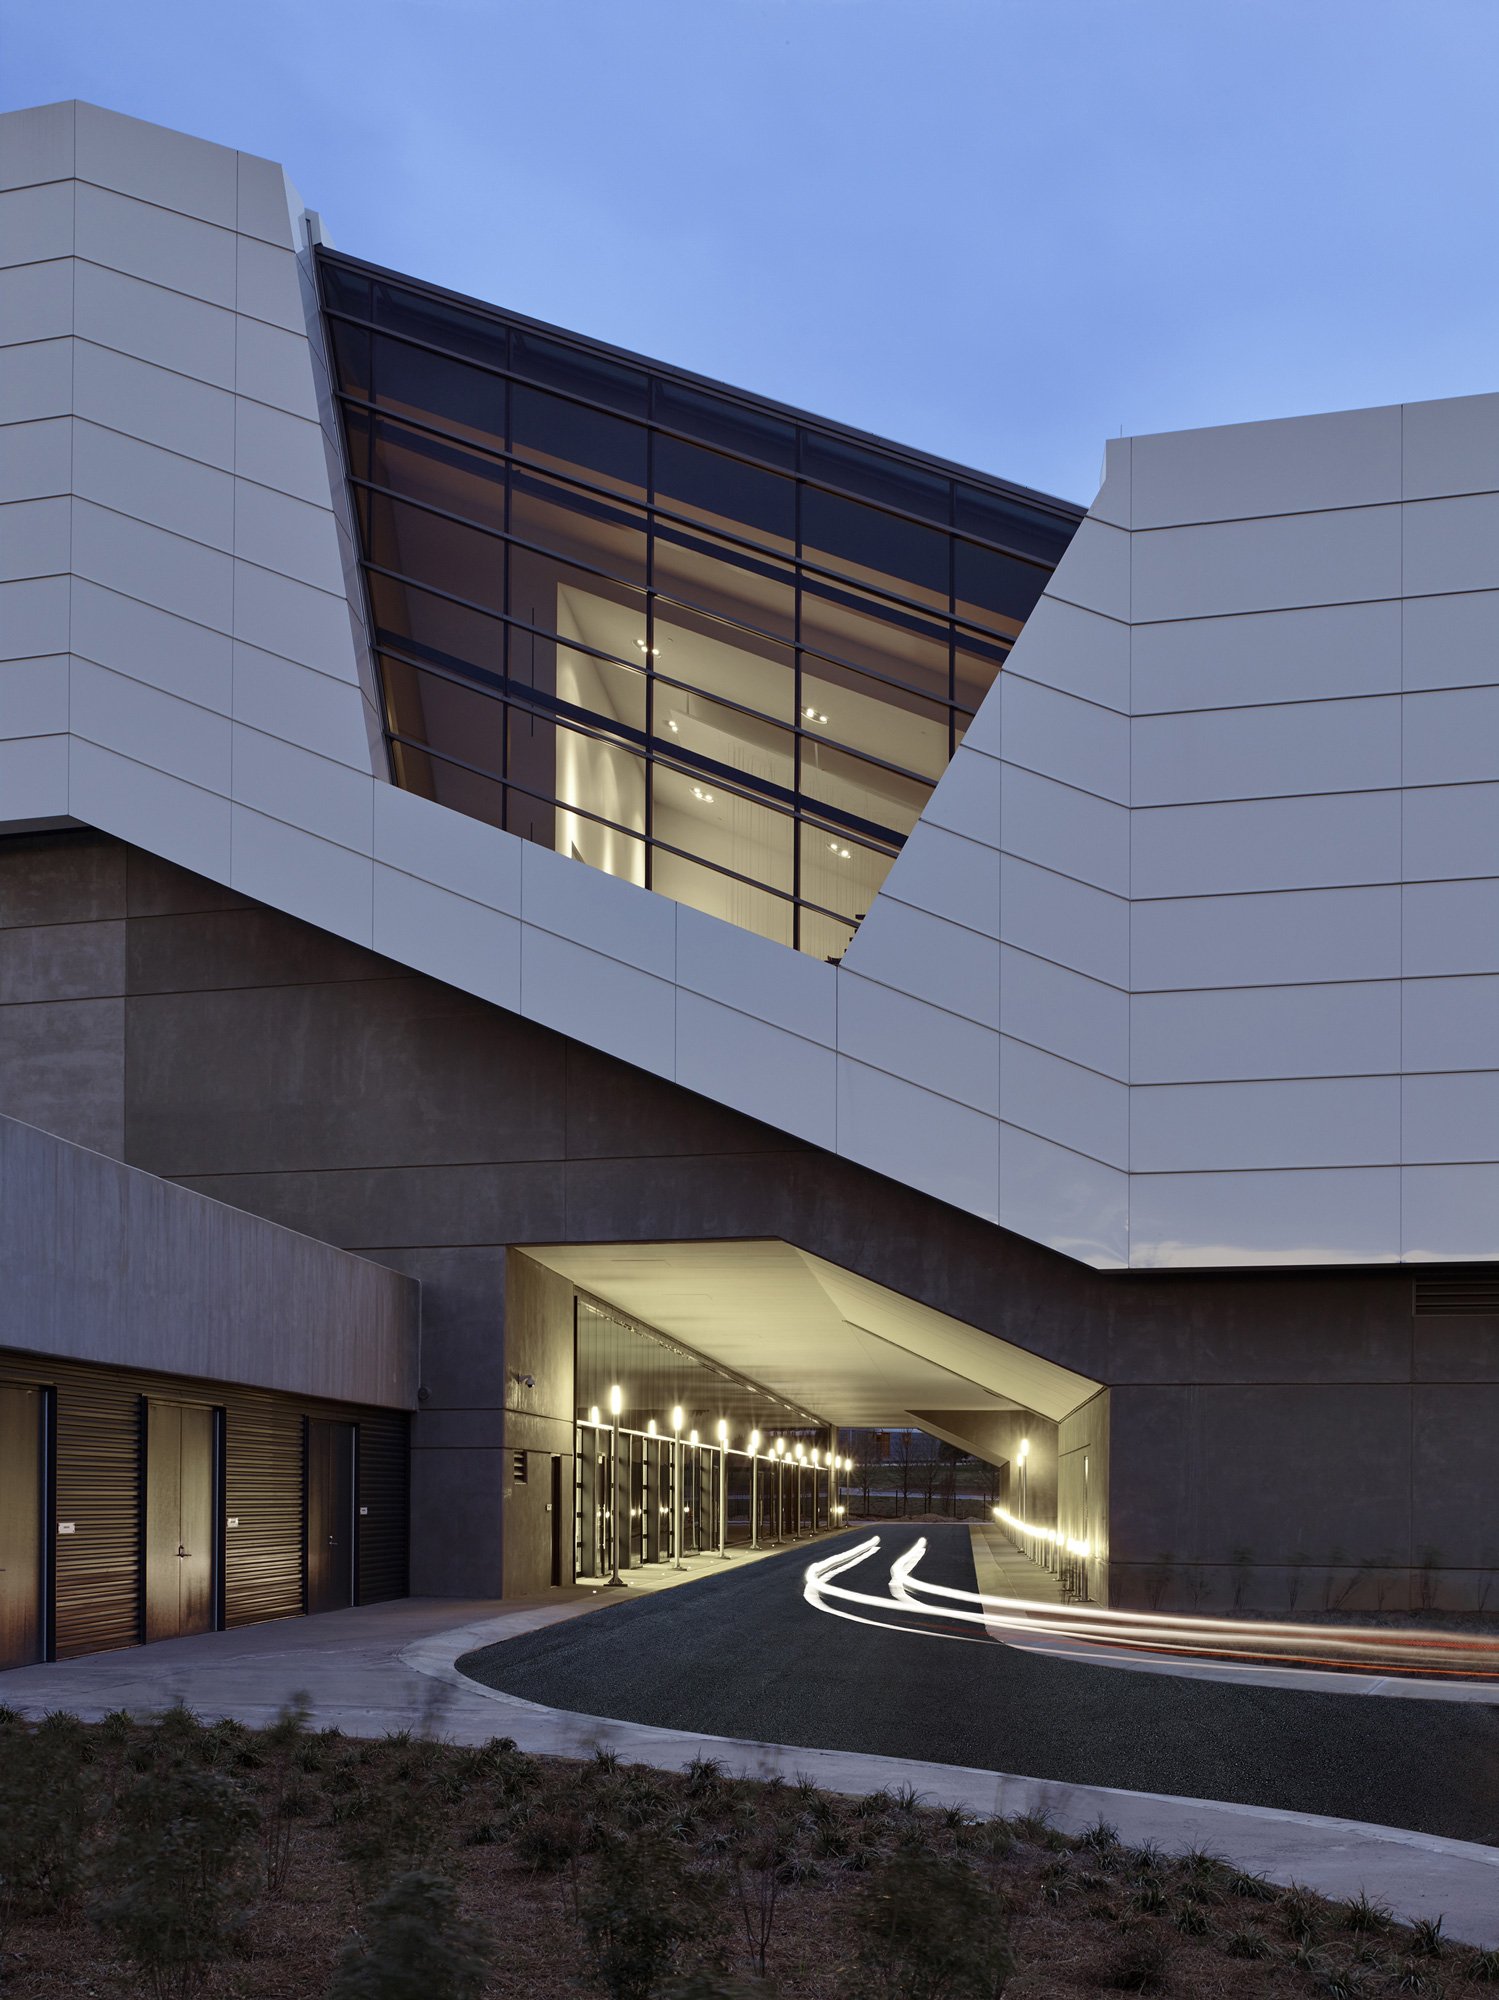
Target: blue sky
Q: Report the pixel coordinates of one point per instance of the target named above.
(999, 229)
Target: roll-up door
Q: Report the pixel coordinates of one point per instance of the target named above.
(22, 1634)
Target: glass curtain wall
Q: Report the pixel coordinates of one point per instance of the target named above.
(646, 1493)
(690, 639)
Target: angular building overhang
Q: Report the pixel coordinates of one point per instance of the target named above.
(821, 1336)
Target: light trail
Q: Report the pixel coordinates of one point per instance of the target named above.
(1093, 1632)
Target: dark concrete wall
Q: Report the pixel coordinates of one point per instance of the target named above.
(538, 1421)
(1083, 1487)
(101, 1262)
(284, 1072)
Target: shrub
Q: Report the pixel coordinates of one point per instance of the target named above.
(1253, 1888)
(416, 1946)
(285, 1801)
(1302, 1913)
(44, 1816)
(705, 1776)
(391, 1827)
(1246, 1942)
(1142, 1964)
(1426, 1938)
(759, 1852)
(929, 1928)
(174, 1879)
(1360, 1914)
(642, 1904)
(548, 1842)
(1102, 1838)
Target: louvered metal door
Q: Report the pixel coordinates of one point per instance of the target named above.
(21, 1634)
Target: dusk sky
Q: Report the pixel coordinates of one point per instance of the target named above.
(1002, 230)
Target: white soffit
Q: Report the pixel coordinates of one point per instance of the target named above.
(854, 1351)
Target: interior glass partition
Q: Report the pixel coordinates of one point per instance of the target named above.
(696, 640)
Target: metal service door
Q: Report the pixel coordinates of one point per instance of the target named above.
(330, 1515)
(20, 1525)
(555, 1491)
(180, 1528)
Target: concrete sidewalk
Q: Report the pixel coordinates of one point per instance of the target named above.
(393, 1666)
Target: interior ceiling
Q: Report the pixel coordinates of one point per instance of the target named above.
(857, 1353)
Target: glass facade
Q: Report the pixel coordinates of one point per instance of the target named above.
(647, 1490)
(720, 649)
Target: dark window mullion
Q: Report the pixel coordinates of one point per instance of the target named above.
(796, 774)
(650, 657)
(971, 476)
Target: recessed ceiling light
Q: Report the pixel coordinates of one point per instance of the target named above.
(810, 714)
(652, 650)
(699, 793)
(673, 725)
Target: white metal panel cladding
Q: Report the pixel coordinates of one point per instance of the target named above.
(1216, 868)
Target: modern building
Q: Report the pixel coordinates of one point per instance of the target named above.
(525, 872)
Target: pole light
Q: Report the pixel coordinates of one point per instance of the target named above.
(616, 1404)
(697, 1495)
(796, 1503)
(723, 1489)
(754, 1452)
(814, 1489)
(676, 1487)
(780, 1491)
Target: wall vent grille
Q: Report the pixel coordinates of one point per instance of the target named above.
(1455, 1295)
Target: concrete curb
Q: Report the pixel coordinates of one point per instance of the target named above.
(1416, 1874)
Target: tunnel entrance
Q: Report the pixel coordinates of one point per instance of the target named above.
(708, 1397)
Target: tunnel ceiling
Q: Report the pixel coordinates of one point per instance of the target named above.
(815, 1332)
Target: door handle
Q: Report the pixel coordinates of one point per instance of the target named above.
(182, 1551)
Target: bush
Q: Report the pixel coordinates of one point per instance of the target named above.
(929, 1928)
(416, 1946)
(44, 1816)
(642, 1905)
(174, 1880)
(390, 1828)
(1142, 1964)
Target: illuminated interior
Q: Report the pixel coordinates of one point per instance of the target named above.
(685, 637)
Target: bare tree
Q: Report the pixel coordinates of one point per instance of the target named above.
(866, 1456)
(905, 1447)
(929, 1464)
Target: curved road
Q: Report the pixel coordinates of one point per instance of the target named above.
(739, 1653)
